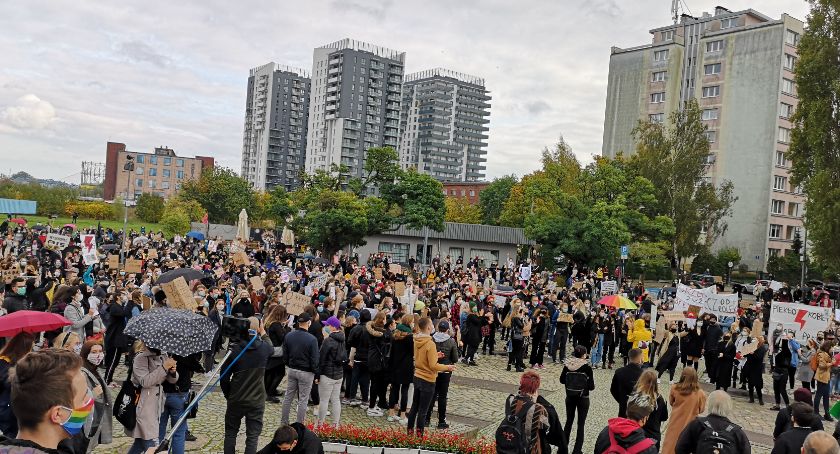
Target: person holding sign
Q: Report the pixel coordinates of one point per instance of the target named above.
(754, 369)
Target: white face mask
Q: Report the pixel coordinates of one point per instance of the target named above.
(96, 358)
(77, 349)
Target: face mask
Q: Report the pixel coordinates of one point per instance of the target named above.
(20, 291)
(95, 358)
(78, 349)
(202, 294)
(699, 324)
(76, 421)
(744, 333)
(220, 307)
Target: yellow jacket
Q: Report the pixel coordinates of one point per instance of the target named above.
(426, 365)
(640, 334)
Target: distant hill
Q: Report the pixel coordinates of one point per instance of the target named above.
(25, 178)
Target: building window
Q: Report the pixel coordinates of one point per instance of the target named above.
(152, 184)
(167, 161)
(179, 163)
(656, 98)
(790, 62)
(777, 207)
(711, 92)
(152, 172)
(140, 158)
(164, 185)
(179, 174)
(153, 160)
(791, 37)
(710, 159)
(658, 76)
(488, 256)
(714, 46)
(657, 118)
(456, 252)
(787, 86)
(711, 136)
(772, 252)
(138, 170)
(712, 69)
(472, 193)
(784, 135)
(396, 252)
(667, 35)
(780, 159)
(660, 55)
(138, 183)
(779, 183)
(786, 110)
(728, 23)
(166, 173)
(775, 231)
(793, 209)
(710, 114)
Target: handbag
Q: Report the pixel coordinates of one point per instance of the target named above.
(125, 404)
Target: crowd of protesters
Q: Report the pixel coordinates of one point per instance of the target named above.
(386, 337)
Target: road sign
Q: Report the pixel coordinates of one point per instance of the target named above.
(625, 252)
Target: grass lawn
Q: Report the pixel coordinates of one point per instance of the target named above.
(85, 223)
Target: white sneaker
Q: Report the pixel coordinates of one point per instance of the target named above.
(672, 382)
(404, 421)
(393, 418)
(658, 381)
(374, 412)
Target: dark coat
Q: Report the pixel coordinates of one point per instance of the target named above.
(333, 356)
(623, 382)
(114, 337)
(783, 423)
(754, 367)
(725, 364)
(690, 436)
(694, 343)
(653, 426)
(277, 333)
(472, 336)
(307, 443)
(14, 302)
(555, 435)
(8, 420)
(791, 441)
(401, 362)
(244, 386)
(669, 355)
(301, 351)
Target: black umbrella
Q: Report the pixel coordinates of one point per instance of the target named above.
(110, 247)
(188, 274)
(39, 227)
(177, 331)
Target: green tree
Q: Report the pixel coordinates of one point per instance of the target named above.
(417, 201)
(492, 198)
(331, 220)
(381, 169)
(672, 157)
(149, 208)
(459, 209)
(221, 192)
(815, 139)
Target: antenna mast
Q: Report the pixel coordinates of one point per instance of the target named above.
(675, 10)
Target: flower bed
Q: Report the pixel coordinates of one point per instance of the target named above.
(398, 438)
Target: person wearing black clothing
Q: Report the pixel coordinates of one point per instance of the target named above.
(608, 330)
(711, 347)
(176, 400)
(624, 380)
(293, 439)
(471, 333)
(579, 381)
(561, 337)
(116, 343)
(244, 389)
(779, 373)
(539, 334)
(725, 363)
(379, 343)
(243, 307)
(444, 343)
(37, 295)
(783, 417)
(719, 406)
(275, 370)
(791, 441)
(301, 354)
(669, 353)
(517, 340)
(358, 344)
(754, 370)
(16, 296)
(555, 436)
(217, 312)
(401, 367)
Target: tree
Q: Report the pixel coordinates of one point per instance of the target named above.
(416, 200)
(459, 209)
(221, 192)
(381, 168)
(815, 138)
(149, 207)
(492, 198)
(673, 158)
(331, 220)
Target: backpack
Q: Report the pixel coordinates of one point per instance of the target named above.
(577, 383)
(718, 441)
(615, 448)
(513, 436)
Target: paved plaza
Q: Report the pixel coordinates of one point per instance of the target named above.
(476, 403)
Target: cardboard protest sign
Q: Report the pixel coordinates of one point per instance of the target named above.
(113, 261)
(609, 286)
(133, 266)
(576, 286)
(178, 294)
(801, 320)
(687, 296)
(565, 317)
(692, 309)
(56, 242)
(395, 268)
(776, 285)
(499, 301)
(757, 328)
(256, 283)
(153, 254)
(295, 302)
(746, 349)
(722, 305)
(673, 316)
(241, 258)
(146, 302)
(320, 281)
(399, 288)
(10, 274)
(377, 273)
(745, 304)
(89, 254)
(660, 330)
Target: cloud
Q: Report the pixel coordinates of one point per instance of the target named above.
(30, 112)
(537, 107)
(138, 51)
(373, 8)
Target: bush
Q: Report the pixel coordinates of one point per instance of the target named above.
(175, 221)
(397, 438)
(89, 210)
(149, 208)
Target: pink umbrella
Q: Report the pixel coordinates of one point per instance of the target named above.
(20, 221)
(72, 226)
(30, 322)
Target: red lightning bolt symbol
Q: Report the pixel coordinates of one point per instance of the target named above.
(88, 240)
(799, 318)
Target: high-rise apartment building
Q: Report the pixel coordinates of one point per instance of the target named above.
(354, 103)
(276, 113)
(444, 125)
(739, 66)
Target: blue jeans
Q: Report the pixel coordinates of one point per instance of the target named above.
(598, 351)
(140, 446)
(834, 384)
(173, 406)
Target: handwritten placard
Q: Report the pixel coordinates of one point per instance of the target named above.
(113, 261)
(395, 268)
(399, 288)
(377, 273)
(241, 258)
(673, 316)
(295, 302)
(746, 349)
(133, 266)
(153, 253)
(256, 283)
(565, 317)
(178, 294)
(56, 241)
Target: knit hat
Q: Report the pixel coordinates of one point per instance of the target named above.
(333, 322)
(354, 313)
(802, 395)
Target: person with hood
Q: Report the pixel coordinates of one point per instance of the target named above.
(445, 344)
(579, 380)
(783, 417)
(687, 401)
(624, 380)
(331, 363)
(301, 355)
(669, 353)
(379, 344)
(150, 369)
(401, 368)
(426, 369)
(358, 343)
(720, 409)
(627, 433)
(293, 439)
(639, 336)
(16, 298)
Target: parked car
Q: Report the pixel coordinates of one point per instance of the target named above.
(750, 288)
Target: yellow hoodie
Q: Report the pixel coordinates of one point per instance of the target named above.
(426, 365)
(640, 334)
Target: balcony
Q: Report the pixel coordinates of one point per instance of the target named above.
(375, 74)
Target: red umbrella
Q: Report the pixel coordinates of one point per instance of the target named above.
(30, 322)
(72, 226)
(20, 221)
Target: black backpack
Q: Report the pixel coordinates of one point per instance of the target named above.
(514, 433)
(577, 383)
(715, 441)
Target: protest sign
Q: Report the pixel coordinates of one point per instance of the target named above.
(395, 268)
(308, 290)
(89, 254)
(113, 262)
(660, 330)
(576, 286)
(295, 302)
(565, 317)
(178, 294)
(673, 316)
(609, 286)
(399, 288)
(499, 301)
(256, 283)
(745, 304)
(688, 296)
(695, 310)
(776, 285)
(133, 266)
(146, 302)
(720, 304)
(10, 274)
(56, 242)
(320, 281)
(837, 314)
(757, 328)
(801, 320)
(241, 258)
(746, 349)
(377, 273)
(525, 272)
(153, 254)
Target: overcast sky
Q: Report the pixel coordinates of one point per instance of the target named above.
(76, 75)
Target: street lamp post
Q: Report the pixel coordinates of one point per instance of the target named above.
(128, 167)
(729, 266)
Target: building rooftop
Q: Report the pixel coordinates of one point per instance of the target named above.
(470, 232)
(443, 72)
(278, 67)
(362, 46)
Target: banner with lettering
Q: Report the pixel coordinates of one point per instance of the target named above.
(688, 296)
(800, 320)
